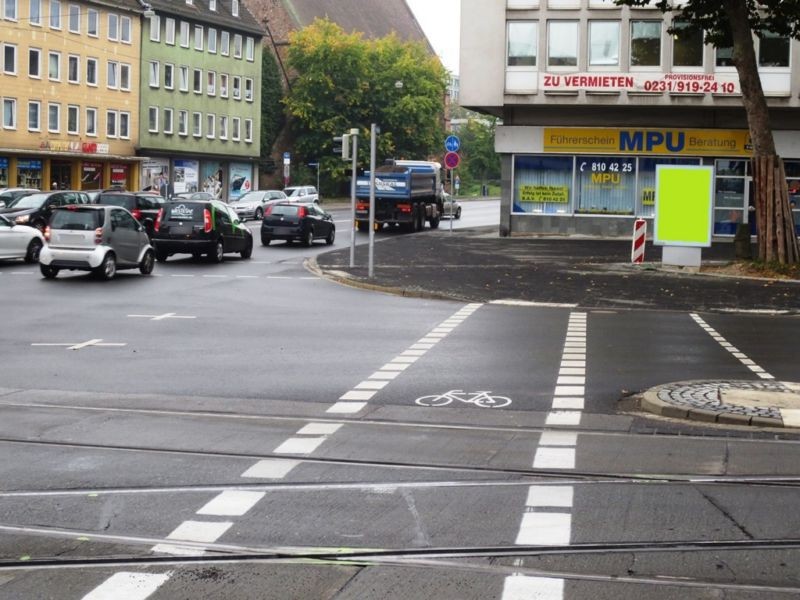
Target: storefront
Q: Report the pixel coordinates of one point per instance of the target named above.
(225, 181)
(87, 172)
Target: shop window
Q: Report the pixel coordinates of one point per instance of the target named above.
(793, 180)
(603, 43)
(687, 46)
(542, 184)
(562, 44)
(730, 198)
(522, 43)
(773, 50)
(645, 43)
(647, 181)
(606, 185)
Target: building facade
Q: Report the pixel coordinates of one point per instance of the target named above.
(594, 96)
(69, 86)
(200, 98)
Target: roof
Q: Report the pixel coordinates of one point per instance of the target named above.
(373, 19)
(129, 5)
(198, 11)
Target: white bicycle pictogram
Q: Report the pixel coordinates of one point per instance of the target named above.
(484, 399)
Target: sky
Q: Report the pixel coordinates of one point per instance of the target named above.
(440, 20)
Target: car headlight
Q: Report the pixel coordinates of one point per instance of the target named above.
(22, 219)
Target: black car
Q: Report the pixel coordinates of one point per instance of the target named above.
(144, 206)
(291, 221)
(35, 209)
(198, 228)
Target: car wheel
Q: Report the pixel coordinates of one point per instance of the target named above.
(34, 248)
(458, 213)
(331, 236)
(107, 268)
(248, 250)
(161, 256)
(309, 237)
(148, 261)
(259, 214)
(48, 272)
(265, 241)
(218, 253)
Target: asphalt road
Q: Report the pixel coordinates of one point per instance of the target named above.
(260, 433)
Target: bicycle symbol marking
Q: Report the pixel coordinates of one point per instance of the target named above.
(484, 399)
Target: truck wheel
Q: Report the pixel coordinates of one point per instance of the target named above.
(362, 226)
(435, 223)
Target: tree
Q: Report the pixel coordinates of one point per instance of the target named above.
(344, 81)
(480, 163)
(272, 117)
(732, 23)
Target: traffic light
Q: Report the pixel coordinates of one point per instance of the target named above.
(341, 145)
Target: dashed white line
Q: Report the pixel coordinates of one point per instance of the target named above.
(231, 503)
(271, 468)
(299, 445)
(544, 529)
(735, 352)
(522, 587)
(128, 586)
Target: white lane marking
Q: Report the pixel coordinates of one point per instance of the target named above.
(554, 458)
(730, 348)
(199, 531)
(394, 367)
(568, 403)
(181, 275)
(405, 359)
(414, 353)
(544, 529)
(542, 496)
(532, 304)
(522, 587)
(387, 375)
(299, 445)
(346, 408)
(96, 342)
(357, 395)
(421, 346)
(569, 390)
(231, 503)
(558, 438)
(570, 380)
(371, 385)
(271, 468)
(565, 370)
(320, 429)
(161, 317)
(215, 276)
(429, 340)
(790, 417)
(563, 417)
(177, 550)
(128, 586)
(247, 277)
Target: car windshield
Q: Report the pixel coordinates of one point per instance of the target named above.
(32, 201)
(249, 197)
(77, 219)
(293, 191)
(122, 200)
(284, 210)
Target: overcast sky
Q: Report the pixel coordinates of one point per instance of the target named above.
(440, 21)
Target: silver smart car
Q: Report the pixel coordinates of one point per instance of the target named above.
(96, 238)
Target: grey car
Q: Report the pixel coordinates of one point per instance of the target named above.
(253, 204)
(96, 238)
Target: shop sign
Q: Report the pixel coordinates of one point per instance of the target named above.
(84, 147)
(691, 142)
(186, 176)
(556, 194)
(29, 164)
(3, 163)
(119, 174)
(240, 176)
(673, 83)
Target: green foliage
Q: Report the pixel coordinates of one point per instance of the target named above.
(272, 115)
(344, 81)
(480, 163)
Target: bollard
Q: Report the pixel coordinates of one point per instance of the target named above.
(639, 237)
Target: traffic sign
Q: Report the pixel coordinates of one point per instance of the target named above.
(287, 158)
(451, 160)
(452, 143)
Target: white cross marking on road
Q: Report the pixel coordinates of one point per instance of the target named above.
(78, 346)
(161, 317)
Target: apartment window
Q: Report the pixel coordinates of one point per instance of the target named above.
(211, 83)
(248, 89)
(235, 8)
(154, 73)
(562, 44)
(53, 117)
(73, 68)
(237, 87)
(211, 121)
(155, 28)
(91, 121)
(224, 43)
(523, 39)
(167, 118)
(687, 45)
(197, 81)
(223, 127)
(236, 126)
(113, 27)
(125, 29)
(169, 76)
(645, 43)
(34, 115)
(125, 77)
(250, 49)
(54, 66)
(9, 113)
(91, 71)
(113, 75)
(724, 57)
(125, 125)
(73, 119)
(74, 24)
(9, 59)
(34, 63)
(10, 10)
(184, 79)
(55, 14)
(212, 40)
(197, 124)
(773, 50)
(237, 46)
(152, 119)
(184, 34)
(35, 12)
(212, 5)
(198, 37)
(183, 122)
(169, 31)
(111, 123)
(92, 23)
(248, 130)
(223, 85)
(603, 43)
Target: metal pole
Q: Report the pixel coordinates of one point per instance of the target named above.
(319, 164)
(353, 227)
(452, 196)
(372, 153)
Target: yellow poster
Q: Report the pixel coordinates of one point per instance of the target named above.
(558, 194)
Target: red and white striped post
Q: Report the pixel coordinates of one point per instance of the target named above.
(639, 237)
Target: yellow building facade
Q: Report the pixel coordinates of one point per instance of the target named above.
(69, 88)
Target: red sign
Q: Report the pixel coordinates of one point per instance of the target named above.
(451, 160)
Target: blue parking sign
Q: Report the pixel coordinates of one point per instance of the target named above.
(452, 143)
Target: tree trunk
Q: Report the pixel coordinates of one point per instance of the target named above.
(777, 240)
